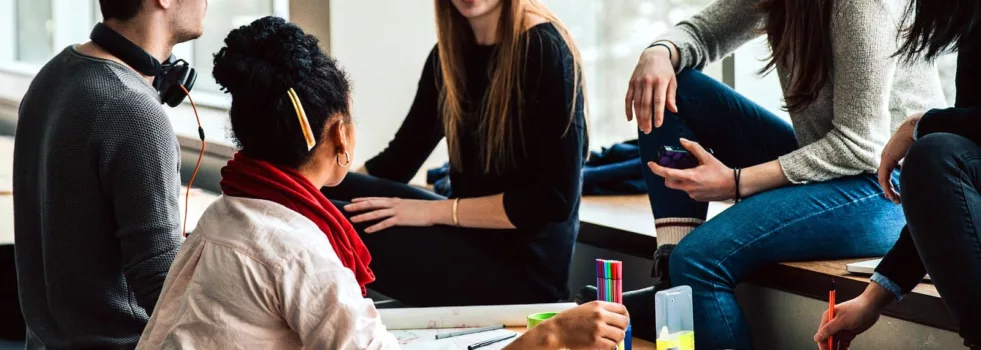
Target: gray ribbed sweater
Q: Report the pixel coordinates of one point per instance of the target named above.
(869, 94)
(96, 219)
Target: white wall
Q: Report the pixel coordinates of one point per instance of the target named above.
(383, 45)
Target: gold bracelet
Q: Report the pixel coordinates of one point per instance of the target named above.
(456, 219)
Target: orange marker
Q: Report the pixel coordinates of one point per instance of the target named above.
(831, 313)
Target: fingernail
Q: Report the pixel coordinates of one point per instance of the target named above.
(684, 140)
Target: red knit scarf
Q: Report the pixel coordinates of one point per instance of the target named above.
(253, 178)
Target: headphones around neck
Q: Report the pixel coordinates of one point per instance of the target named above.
(168, 77)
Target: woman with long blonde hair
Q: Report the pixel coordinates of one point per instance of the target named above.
(504, 87)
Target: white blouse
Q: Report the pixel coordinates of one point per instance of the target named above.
(255, 274)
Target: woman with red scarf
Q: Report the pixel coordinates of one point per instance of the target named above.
(272, 263)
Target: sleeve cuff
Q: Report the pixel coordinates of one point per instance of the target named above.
(916, 129)
(795, 169)
(888, 284)
(680, 40)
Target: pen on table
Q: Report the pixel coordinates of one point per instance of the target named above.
(491, 341)
(469, 331)
(831, 313)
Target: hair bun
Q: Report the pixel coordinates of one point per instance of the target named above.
(253, 61)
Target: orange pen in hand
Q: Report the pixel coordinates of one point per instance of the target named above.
(831, 313)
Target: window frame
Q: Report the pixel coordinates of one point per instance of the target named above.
(68, 21)
(8, 31)
(212, 106)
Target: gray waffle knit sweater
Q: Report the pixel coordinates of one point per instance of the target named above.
(869, 93)
(96, 218)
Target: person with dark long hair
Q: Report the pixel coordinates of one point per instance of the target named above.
(802, 192)
(503, 86)
(939, 185)
(272, 263)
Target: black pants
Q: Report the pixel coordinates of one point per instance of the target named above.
(941, 178)
(440, 265)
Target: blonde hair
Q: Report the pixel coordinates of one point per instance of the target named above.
(453, 32)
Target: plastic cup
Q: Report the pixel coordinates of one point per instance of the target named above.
(535, 319)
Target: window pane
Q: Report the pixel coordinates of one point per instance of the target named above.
(96, 12)
(223, 16)
(610, 36)
(34, 31)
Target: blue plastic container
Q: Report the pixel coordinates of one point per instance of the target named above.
(628, 340)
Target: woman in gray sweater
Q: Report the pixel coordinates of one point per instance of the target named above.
(803, 192)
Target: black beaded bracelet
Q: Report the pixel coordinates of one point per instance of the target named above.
(737, 172)
(665, 46)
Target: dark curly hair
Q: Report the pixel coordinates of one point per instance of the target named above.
(258, 64)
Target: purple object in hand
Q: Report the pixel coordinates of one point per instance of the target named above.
(676, 158)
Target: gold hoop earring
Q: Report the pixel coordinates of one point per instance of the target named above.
(347, 157)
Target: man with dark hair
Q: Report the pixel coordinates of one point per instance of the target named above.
(96, 184)
(120, 9)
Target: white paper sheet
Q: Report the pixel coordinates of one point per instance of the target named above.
(465, 316)
(425, 339)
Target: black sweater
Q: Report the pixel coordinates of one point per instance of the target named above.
(542, 190)
(902, 264)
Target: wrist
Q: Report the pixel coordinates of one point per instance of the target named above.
(660, 51)
(877, 296)
(760, 178)
(912, 124)
(746, 186)
(442, 212)
(547, 335)
(541, 337)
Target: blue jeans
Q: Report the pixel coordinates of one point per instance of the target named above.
(842, 218)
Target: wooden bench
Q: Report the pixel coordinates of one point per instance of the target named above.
(619, 223)
(625, 224)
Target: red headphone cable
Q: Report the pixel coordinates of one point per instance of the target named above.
(187, 197)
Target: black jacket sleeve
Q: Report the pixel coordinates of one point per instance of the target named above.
(419, 134)
(554, 137)
(902, 264)
(965, 122)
